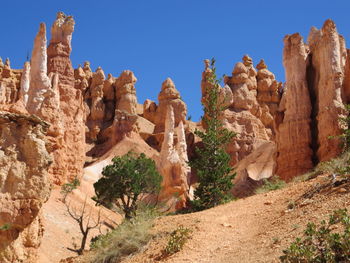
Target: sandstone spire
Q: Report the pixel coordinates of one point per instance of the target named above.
(39, 81)
(172, 165)
(294, 155)
(169, 95)
(126, 92)
(70, 143)
(25, 84)
(327, 62)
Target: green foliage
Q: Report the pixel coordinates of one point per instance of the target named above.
(128, 238)
(5, 227)
(212, 162)
(124, 180)
(345, 123)
(326, 243)
(274, 183)
(339, 165)
(67, 188)
(177, 240)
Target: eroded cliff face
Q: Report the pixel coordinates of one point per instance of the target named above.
(24, 185)
(316, 89)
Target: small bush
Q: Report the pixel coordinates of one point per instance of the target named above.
(326, 243)
(128, 238)
(67, 188)
(5, 227)
(274, 183)
(177, 240)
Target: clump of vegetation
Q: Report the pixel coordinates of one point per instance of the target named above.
(67, 188)
(5, 227)
(271, 184)
(128, 238)
(326, 243)
(212, 162)
(125, 180)
(345, 136)
(177, 240)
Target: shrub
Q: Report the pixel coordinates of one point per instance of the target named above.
(125, 180)
(67, 188)
(345, 136)
(177, 240)
(128, 238)
(212, 162)
(5, 227)
(274, 183)
(323, 244)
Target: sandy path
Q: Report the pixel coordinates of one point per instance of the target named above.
(254, 229)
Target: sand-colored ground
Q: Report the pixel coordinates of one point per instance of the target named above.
(254, 229)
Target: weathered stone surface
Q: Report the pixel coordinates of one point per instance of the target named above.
(150, 110)
(327, 59)
(70, 155)
(313, 100)
(253, 169)
(347, 78)
(294, 155)
(172, 164)
(25, 84)
(251, 121)
(169, 95)
(9, 85)
(24, 185)
(126, 92)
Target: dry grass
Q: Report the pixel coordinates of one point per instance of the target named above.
(127, 239)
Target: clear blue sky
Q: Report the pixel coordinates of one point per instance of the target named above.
(170, 38)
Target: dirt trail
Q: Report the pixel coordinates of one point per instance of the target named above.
(254, 229)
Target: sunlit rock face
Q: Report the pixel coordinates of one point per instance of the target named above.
(172, 164)
(316, 89)
(294, 134)
(69, 127)
(248, 96)
(169, 95)
(327, 63)
(24, 185)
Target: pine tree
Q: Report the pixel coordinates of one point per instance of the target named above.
(212, 162)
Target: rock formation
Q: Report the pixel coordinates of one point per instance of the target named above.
(97, 105)
(169, 95)
(24, 185)
(244, 115)
(294, 134)
(313, 100)
(172, 164)
(9, 85)
(346, 87)
(126, 92)
(109, 97)
(39, 81)
(327, 59)
(268, 89)
(69, 158)
(25, 84)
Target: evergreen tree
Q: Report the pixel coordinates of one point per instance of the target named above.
(125, 180)
(212, 162)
